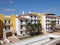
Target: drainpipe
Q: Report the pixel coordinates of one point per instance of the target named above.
(13, 32)
(4, 33)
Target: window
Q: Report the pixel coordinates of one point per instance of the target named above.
(9, 27)
(35, 21)
(31, 16)
(21, 32)
(35, 16)
(5, 21)
(38, 21)
(25, 20)
(31, 20)
(9, 21)
(47, 20)
(21, 21)
(25, 31)
(47, 28)
(21, 26)
(5, 27)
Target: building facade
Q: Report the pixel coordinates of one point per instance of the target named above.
(46, 21)
(22, 20)
(9, 25)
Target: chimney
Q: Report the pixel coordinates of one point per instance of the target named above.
(16, 14)
(29, 12)
(22, 12)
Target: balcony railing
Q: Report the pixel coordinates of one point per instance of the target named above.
(8, 30)
(8, 23)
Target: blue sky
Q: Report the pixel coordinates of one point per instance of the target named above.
(9, 7)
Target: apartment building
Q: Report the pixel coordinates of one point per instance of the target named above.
(7, 25)
(46, 21)
(22, 20)
(17, 24)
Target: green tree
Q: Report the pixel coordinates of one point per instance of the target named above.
(34, 28)
(39, 26)
(53, 24)
(28, 27)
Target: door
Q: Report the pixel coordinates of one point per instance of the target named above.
(8, 34)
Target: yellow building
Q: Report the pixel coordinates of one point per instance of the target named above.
(7, 25)
(1, 25)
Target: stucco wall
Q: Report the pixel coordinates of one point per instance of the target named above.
(1, 25)
(13, 20)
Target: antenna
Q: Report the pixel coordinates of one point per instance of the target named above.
(16, 14)
(23, 12)
(29, 12)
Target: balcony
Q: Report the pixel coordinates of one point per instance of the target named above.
(22, 23)
(35, 18)
(8, 30)
(7, 23)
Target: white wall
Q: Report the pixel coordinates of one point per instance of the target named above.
(17, 26)
(44, 22)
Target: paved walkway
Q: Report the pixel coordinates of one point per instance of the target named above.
(35, 40)
(13, 39)
(5, 42)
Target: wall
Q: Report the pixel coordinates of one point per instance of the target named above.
(42, 21)
(13, 20)
(1, 25)
(17, 26)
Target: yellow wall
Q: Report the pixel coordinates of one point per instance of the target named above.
(1, 25)
(41, 17)
(13, 20)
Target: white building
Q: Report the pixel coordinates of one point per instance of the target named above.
(46, 21)
(21, 21)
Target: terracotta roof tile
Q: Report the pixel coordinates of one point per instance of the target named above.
(50, 15)
(29, 14)
(23, 18)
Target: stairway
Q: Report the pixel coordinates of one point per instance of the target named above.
(13, 39)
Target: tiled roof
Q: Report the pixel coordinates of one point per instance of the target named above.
(33, 14)
(50, 15)
(23, 18)
(24, 15)
(29, 14)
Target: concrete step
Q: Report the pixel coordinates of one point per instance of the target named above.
(13, 39)
(5, 42)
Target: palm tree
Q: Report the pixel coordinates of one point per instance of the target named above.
(53, 24)
(28, 27)
(39, 26)
(33, 28)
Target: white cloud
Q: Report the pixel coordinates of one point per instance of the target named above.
(9, 9)
(7, 1)
(11, 2)
(51, 10)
